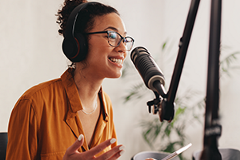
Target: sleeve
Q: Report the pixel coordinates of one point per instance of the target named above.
(22, 132)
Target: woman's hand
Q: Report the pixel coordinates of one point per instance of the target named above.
(72, 152)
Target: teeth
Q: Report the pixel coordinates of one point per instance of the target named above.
(119, 61)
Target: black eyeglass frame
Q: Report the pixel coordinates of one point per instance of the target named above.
(122, 38)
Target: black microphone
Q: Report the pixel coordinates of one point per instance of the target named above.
(149, 71)
(154, 80)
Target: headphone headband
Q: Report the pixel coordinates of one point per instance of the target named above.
(71, 22)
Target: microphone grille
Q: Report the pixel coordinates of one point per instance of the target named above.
(142, 64)
(145, 64)
(138, 51)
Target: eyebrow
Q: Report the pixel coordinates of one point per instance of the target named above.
(115, 29)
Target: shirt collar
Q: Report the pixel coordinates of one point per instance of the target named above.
(104, 103)
(71, 90)
(72, 93)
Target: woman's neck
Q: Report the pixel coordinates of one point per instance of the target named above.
(88, 86)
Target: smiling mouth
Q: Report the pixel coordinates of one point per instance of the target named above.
(115, 60)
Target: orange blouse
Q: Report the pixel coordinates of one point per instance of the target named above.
(44, 121)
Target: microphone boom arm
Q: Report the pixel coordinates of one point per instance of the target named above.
(210, 150)
(183, 46)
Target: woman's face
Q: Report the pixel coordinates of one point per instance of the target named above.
(103, 60)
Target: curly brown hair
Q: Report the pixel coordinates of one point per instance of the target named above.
(85, 19)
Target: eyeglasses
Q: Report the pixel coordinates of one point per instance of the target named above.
(114, 39)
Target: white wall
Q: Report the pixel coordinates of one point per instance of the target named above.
(30, 49)
(30, 53)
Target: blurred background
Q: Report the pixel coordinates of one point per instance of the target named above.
(30, 53)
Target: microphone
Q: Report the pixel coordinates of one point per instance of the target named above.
(154, 80)
(149, 70)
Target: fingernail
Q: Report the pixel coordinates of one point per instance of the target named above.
(113, 140)
(121, 153)
(121, 148)
(80, 137)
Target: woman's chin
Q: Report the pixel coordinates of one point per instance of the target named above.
(117, 75)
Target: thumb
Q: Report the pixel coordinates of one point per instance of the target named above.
(77, 144)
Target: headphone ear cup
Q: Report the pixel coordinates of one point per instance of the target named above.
(70, 48)
(82, 47)
(75, 49)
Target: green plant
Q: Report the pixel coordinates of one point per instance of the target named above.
(172, 136)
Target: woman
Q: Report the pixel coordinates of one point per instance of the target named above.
(71, 117)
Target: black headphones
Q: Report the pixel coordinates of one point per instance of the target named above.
(74, 45)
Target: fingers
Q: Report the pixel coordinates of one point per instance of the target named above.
(76, 145)
(95, 150)
(113, 154)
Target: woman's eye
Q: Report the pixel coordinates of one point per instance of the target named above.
(113, 35)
